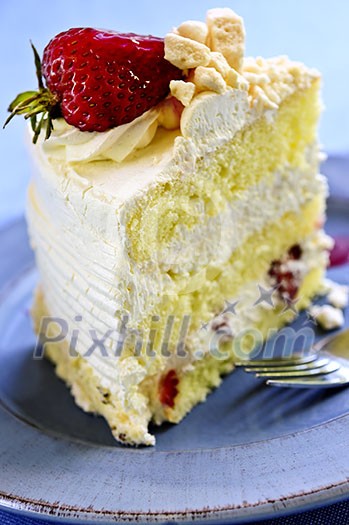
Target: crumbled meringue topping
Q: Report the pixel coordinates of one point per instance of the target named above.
(211, 55)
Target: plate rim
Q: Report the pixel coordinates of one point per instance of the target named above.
(302, 502)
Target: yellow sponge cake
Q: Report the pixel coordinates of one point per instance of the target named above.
(172, 244)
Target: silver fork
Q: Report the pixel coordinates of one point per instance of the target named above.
(326, 365)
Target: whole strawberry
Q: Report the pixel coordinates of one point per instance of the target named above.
(96, 80)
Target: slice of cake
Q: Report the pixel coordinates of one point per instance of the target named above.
(176, 212)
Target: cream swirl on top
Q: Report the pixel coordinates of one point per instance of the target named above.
(73, 145)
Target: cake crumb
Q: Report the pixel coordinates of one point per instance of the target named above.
(326, 286)
(327, 316)
(337, 294)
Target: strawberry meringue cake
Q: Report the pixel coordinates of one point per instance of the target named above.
(175, 226)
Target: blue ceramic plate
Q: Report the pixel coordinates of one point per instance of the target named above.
(249, 452)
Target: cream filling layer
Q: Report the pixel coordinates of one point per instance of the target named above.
(247, 310)
(81, 277)
(229, 230)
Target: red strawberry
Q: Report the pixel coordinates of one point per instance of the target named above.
(97, 79)
(168, 388)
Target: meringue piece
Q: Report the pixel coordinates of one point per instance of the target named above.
(185, 53)
(208, 79)
(236, 81)
(256, 78)
(194, 30)
(182, 91)
(226, 33)
(218, 61)
(327, 316)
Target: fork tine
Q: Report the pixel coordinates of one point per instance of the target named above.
(330, 367)
(335, 379)
(280, 361)
(317, 363)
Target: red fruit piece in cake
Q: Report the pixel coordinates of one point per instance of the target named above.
(97, 79)
(285, 276)
(295, 252)
(168, 388)
(287, 285)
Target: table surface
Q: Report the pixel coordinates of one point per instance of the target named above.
(322, 41)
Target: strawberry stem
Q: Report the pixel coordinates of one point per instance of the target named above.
(32, 103)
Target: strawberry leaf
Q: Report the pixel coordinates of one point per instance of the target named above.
(33, 103)
(22, 100)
